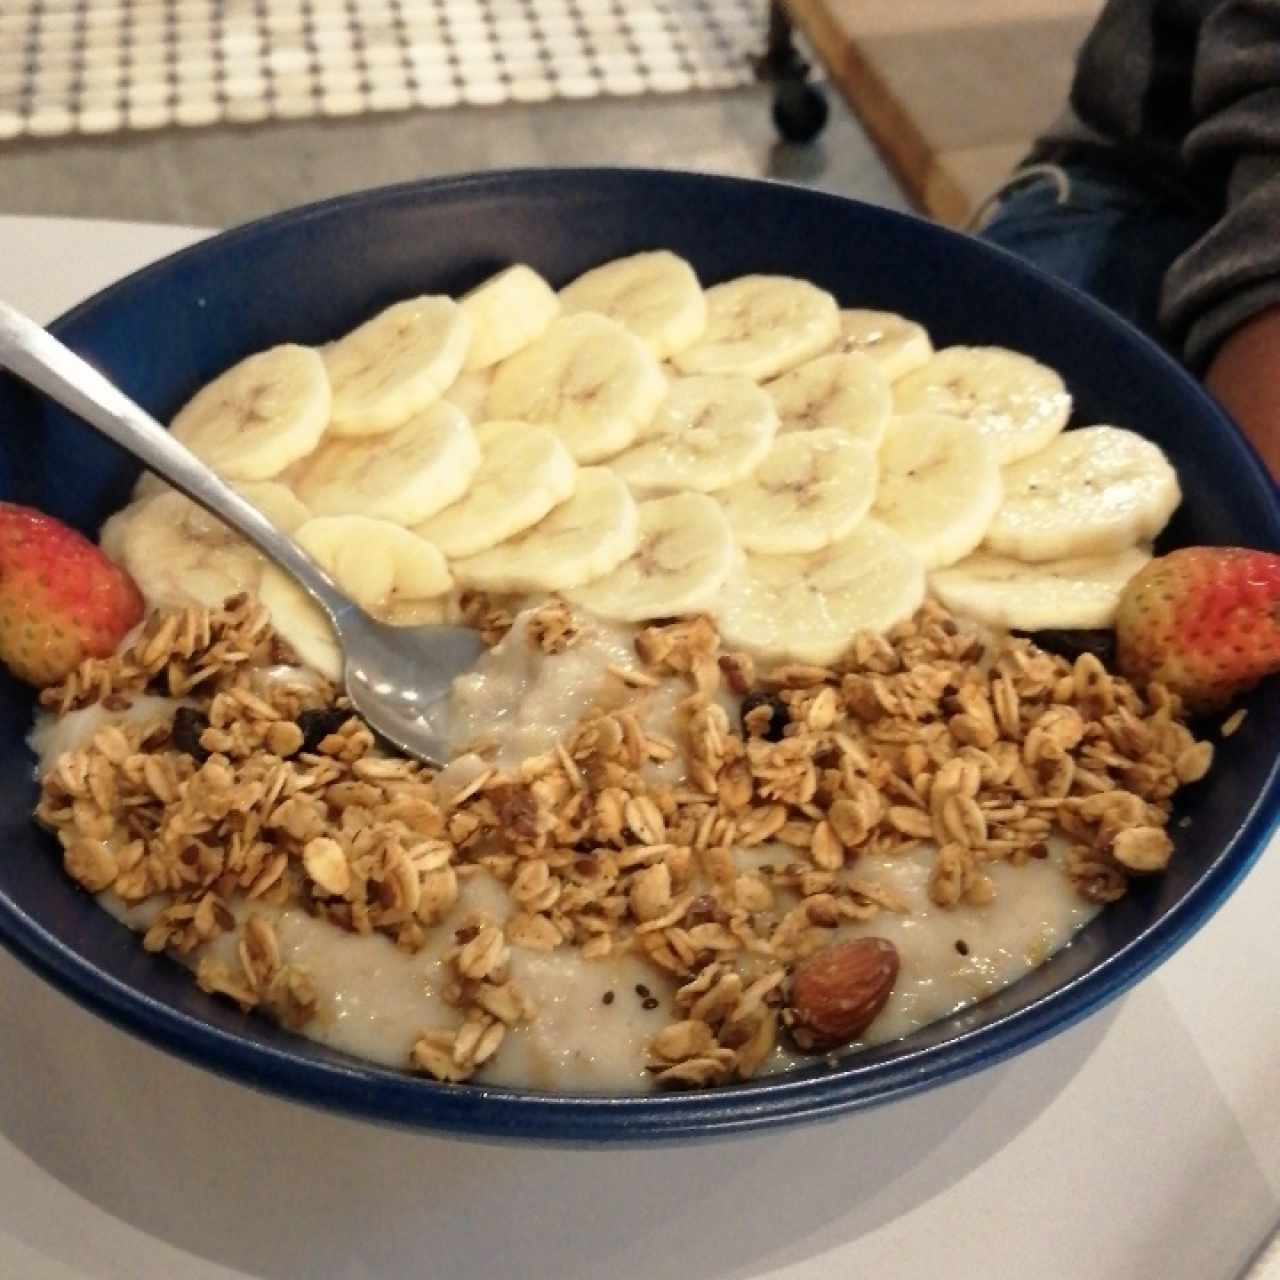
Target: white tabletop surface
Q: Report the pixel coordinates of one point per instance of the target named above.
(1144, 1143)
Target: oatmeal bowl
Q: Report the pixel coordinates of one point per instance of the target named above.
(840, 729)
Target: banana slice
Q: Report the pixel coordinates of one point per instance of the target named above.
(299, 622)
(396, 364)
(404, 476)
(508, 311)
(179, 554)
(277, 502)
(895, 343)
(593, 383)
(111, 535)
(708, 433)
(939, 486)
(808, 608)
(469, 392)
(655, 295)
(1091, 492)
(761, 326)
(391, 573)
(811, 489)
(845, 391)
(1014, 402)
(524, 472)
(385, 569)
(684, 556)
(254, 420)
(582, 539)
(149, 484)
(1082, 592)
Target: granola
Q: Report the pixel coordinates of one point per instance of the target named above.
(926, 775)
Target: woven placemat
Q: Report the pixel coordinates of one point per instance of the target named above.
(95, 66)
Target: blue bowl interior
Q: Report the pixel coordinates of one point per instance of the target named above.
(309, 275)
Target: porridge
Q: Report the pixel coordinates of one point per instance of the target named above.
(761, 762)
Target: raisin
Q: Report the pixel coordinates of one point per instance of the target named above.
(702, 910)
(1071, 644)
(778, 714)
(316, 726)
(188, 725)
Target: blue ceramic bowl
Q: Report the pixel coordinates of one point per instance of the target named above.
(310, 274)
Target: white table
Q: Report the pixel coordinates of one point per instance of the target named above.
(1142, 1145)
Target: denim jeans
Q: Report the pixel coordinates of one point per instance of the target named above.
(1090, 227)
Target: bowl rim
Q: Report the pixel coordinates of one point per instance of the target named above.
(375, 1093)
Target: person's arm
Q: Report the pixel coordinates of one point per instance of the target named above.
(1221, 299)
(1245, 377)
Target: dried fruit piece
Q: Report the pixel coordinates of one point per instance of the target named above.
(1099, 641)
(764, 715)
(188, 725)
(316, 726)
(837, 993)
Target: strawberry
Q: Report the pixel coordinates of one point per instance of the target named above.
(61, 599)
(1204, 621)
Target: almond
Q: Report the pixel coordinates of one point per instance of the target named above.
(837, 993)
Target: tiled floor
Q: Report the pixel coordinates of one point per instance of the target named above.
(227, 174)
(95, 66)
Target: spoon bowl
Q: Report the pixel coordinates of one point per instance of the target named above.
(398, 678)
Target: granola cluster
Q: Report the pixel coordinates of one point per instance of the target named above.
(619, 840)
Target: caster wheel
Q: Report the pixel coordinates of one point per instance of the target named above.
(799, 111)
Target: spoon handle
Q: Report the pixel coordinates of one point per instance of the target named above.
(37, 357)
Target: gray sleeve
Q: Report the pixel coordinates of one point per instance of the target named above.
(1233, 271)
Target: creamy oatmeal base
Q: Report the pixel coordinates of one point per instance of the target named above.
(611, 885)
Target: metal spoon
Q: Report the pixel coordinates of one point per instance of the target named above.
(398, 678)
